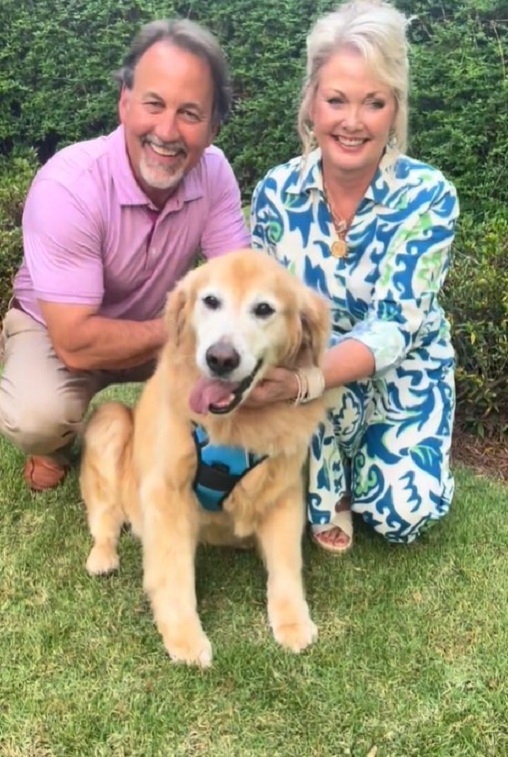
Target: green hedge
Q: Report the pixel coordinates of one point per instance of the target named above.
(56, 61)
(459, 113)
(16, 173)
(476, 300)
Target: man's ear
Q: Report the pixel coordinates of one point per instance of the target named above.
(123, 103)
(214, 132)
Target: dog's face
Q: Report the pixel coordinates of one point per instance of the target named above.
(235, 317)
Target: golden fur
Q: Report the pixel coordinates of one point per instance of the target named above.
(139, 465)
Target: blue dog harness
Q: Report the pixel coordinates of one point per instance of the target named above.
(219, 469)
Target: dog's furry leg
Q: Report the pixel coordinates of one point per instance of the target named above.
(107, 436)
(169, 548)
(280, 539)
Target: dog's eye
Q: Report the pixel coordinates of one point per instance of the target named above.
(263, 310)
(211, 302)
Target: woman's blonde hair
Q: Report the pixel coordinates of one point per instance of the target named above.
(377, 31)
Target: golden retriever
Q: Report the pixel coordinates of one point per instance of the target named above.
(228, 322)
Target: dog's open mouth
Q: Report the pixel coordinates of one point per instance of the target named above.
(217, 396)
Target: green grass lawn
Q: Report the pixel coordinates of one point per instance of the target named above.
(412, 657)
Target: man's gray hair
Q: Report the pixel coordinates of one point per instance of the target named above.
(193, 38)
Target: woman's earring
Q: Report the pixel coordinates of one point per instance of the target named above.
(392, 140)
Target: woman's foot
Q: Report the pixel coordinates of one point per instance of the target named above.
(338, 536)
(334, 540)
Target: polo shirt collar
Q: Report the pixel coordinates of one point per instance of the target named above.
(128, 190)
(382, 189)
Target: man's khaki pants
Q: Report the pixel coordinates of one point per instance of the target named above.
(43, 403)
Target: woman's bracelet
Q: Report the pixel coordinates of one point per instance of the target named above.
(311, 384)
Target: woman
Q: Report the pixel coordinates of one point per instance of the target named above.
(371, 229)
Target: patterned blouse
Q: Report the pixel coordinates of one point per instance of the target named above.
(384, 293)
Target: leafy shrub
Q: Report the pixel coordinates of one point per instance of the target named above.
(56, 65)
(56, 61)
(459, 114)
(16, 173)
(476, 301)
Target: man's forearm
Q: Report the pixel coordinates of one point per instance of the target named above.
(105, 343)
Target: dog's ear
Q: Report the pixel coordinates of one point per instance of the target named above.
(315, 320)
(178, 307)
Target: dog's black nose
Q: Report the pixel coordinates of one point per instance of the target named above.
(222, 358)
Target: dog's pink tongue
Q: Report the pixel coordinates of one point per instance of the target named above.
(208, 392)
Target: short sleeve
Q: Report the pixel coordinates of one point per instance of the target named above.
(225, 228)
(62, 246)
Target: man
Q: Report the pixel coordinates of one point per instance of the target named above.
(109, 226)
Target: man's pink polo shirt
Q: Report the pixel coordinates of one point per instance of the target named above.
(92, 237)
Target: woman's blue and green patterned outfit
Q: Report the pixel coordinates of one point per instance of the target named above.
(387, 440)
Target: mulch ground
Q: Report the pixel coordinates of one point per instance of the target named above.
(486, 456)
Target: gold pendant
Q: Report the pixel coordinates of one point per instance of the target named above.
(339, 249)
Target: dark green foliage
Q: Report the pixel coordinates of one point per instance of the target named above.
(56, 61)
(476, 300)
(459, 102)
(16, 173)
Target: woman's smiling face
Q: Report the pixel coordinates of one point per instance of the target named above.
(352, 114)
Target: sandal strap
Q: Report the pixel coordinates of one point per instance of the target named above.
(342, 520)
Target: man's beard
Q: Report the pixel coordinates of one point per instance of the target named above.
(159, 178)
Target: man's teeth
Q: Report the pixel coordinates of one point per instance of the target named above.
(164, 151)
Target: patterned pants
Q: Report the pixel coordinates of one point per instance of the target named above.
(386, 443)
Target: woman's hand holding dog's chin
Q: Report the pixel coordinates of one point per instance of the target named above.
(279, 384)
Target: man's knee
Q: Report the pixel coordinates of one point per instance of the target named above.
(40, 426)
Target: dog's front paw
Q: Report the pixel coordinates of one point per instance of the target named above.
(296, 636)
(192, 648)
(102, 560)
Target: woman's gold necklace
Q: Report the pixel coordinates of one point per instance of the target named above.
(341, 226)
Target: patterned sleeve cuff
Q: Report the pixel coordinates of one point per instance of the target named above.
(385, 340)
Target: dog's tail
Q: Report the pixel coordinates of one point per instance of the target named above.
(106, 459)
(107, 446)
(104, 480)
(110, 429)
(112, 422)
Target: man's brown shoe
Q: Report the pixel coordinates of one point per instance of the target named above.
(43, 473)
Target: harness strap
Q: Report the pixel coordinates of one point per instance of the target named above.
(219, 469)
